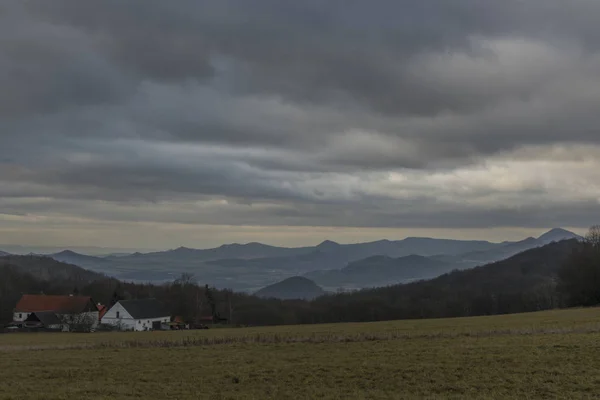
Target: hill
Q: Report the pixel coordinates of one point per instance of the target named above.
(508, 249)
(556, 235)
(524, 282)
(249, 267)
(292, 289)
(227, 251)
(535, 355)
(85, 261)
(46, 268)
(381, 271)
(36, 274)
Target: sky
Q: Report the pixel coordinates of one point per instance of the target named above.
(153, 124)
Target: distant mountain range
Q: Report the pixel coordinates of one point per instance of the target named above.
(524, 282)
(294, 288)
(249, 267)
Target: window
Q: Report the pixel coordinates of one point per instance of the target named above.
(20, 316)
(118, 314)
(139, 322)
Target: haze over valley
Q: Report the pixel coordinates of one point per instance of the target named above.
(332, 266)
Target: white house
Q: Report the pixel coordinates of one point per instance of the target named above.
(137, 315)
(73, 311)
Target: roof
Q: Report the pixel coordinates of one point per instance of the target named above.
(47, 318)
(59, 304)
(102, 309)
(144, 308)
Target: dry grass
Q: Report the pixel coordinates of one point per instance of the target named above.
(540, 355)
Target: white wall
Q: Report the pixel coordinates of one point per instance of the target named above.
(118, 315)
(146, 324)
(20, 316)
(126, 321)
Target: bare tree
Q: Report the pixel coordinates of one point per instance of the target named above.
(84, 322)
(593, 236)
(185, 279)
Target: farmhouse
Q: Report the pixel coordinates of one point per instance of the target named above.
(45, 320)
(137, 315)
(56, 312)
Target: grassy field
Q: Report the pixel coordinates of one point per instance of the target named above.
(540, 355)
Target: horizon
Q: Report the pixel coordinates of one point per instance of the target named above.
(101, 250)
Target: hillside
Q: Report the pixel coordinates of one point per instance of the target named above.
(35, 274)
(508, 249)
(46, 268)
(97, 264)
(523, 356)
(381, 271)
(249, 267)
(291, 289)
(524, 282)
(558, 234)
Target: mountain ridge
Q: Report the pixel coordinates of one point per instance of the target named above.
(294, 288)
(250, 266)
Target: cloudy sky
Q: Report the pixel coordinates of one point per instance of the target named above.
(153, 124)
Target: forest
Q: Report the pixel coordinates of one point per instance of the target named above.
(557, 275)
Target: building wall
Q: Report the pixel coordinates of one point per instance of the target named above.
(118, 315)
(126, 322)
(20, 316)
(146, 324)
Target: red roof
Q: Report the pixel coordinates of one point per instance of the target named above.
(102, 309)
(59, 304)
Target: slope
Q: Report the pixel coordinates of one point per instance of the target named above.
(508, 249)
(291, 289)
(46, 268)
(524, 282)
(82, 260)
(381, 271)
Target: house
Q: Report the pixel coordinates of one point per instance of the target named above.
(102, 309)
(74, 311)
(137, 315)
(45, 320)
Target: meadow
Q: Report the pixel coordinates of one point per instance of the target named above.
(538, 355)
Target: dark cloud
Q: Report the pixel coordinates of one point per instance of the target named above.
(343, 113)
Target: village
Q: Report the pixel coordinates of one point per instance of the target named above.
(75, 313)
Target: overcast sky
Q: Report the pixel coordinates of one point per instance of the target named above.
(154, 124)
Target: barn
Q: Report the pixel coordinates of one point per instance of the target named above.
(137, 315)
(46, 320)
(75, 312)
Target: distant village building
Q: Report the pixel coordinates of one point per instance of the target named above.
(45, 320)
(102, 309)
(137, 315)
(56, 312)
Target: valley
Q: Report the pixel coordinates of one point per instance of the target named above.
(332, 266)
